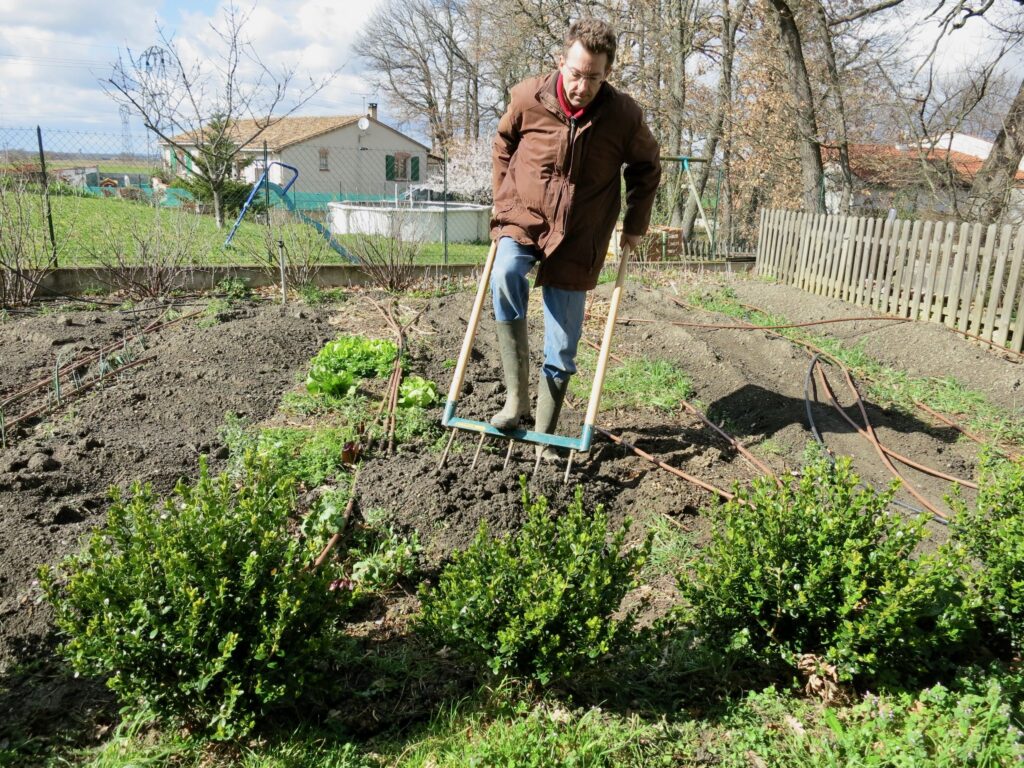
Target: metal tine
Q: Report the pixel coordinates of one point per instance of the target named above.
(447, 448)
(536, 465)
(479, 447)
(508, 454)
(568, 467)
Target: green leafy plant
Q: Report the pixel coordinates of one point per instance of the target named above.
(336, 369)
(233, 289)
(821, 566)
(992, 531)
(417, 391)
(200, 607)
(538, 604)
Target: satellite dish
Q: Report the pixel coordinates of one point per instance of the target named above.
(364, 123)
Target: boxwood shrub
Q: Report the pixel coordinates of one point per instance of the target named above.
(539, 604)
(202, 607)
(824, 566)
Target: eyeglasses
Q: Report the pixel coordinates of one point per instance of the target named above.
(590, 77)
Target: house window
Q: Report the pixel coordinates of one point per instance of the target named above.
(324, 166)
(396, 167)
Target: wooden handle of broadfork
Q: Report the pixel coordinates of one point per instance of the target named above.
(467, 342)
(606, 343)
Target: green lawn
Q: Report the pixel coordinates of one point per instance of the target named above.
(89, 229)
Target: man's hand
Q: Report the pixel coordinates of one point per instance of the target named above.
(629, 240)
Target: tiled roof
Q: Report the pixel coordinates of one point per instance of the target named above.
(890, 166)
(284, 132)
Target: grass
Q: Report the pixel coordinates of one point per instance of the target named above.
(635, 383)
(971, 723)
(85, 227)
(888, 387)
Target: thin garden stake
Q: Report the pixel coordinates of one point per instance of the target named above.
(280, 261)
(46, 196)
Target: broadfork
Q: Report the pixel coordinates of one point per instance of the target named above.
(483, 428)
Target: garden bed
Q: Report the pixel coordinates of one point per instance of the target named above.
(152, 422)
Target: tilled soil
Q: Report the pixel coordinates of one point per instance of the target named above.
(151, 423)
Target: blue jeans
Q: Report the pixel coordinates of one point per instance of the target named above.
(563, 310)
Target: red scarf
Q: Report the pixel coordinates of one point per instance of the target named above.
(564, 102)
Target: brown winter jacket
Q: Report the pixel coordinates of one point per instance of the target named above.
(556, 186)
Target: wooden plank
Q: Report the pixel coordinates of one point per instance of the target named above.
(852, 276)
(775, 222)
(831, 247)
(984, 277)
(763, 257)
(1012, 287)
(805, 244)
(867, 242)
(921, 258)
(846, 272)
(935, 292)
(882, 250)
(909, 243)
(953, 293)
(789, 244)
(817, 224)
(1002, 253)
(841, 243)
(970, 275)
(817, 255)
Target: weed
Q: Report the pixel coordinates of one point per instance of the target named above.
(233, 289)
(316, 296)
(636, 383)
(671, 549)
(886, 386)
(216, 311)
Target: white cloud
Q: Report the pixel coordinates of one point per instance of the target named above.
(54, 54)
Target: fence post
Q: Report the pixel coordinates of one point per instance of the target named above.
(444, 203)
(281, 264)
(46, 196)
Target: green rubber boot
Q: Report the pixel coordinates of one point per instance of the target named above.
(514, 347)
(550, 396)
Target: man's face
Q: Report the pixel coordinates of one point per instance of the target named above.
(582, 74)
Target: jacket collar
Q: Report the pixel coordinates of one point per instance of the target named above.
(548, 96)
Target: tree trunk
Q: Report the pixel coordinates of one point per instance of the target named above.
(994, 182)
(835, 88)
(729, 28)
(811, 171)
(218, 206)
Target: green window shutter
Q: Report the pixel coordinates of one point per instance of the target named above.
(415, 174)
(389, 167)
(188, 161)
(174, 160)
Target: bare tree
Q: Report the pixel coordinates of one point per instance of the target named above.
(995, 180)
(208, 110)
(811, 170)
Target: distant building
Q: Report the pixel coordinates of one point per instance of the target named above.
(916, 180)
(345, 157)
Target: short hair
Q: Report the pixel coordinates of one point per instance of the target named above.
(593, 34)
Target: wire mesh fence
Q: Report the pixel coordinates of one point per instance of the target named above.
(312, 190)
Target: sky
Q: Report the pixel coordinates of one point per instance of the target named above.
(54, 53)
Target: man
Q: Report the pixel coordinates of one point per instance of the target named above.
(558, 155)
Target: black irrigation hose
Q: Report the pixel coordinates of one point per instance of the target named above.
(809, 385)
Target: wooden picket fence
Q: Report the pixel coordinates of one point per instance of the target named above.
(967, 276)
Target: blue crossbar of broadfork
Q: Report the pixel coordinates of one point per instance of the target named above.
(581, 443)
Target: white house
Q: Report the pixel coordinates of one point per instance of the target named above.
(344, 157)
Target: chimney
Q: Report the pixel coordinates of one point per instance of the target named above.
(371, 109)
